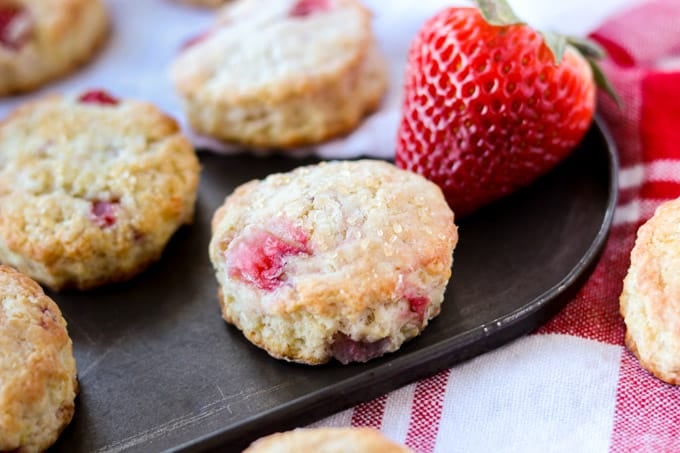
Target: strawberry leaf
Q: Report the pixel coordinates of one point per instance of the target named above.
(587, 47)
(592, 52)
(498, 12)
(556, 43)
(602, 82)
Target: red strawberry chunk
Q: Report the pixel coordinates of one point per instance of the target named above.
(100, 97)
(103, 213)
(260, 257)
(418, 305)
(15, 27)
(346, 350)
(304, 8)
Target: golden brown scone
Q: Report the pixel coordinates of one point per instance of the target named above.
(37, 369)
(327, 440)
(344, 260)
(282, 74)
(650, 301)
(44, 39)
(91, 188)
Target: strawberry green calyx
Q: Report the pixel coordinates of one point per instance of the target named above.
(592, 52)
(603, 82)
(556, 42)
(500, 13)
(587, 47)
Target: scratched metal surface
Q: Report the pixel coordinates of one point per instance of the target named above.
(159, 369)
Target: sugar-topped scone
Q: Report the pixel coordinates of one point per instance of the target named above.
(343, 260)
(91, 188)
(281, 74)
(327, 440)
(650, 301)
(44, 39)
(37, 369)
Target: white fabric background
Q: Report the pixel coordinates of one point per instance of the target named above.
(547, 393)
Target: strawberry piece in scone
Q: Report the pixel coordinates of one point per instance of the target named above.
(260, 257)
(100, 97)
(308, 7)
(15, 27)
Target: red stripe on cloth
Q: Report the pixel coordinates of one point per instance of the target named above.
(618, 54)
(661, 190)
(660, 111)
(426, 413)
(628, 195)
(369, 413)
(624, 124)
(594, 312)
(646, 418)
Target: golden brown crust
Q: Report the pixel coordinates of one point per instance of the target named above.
(135, 158)
(191, 80)
(670, 378)
(322, 88)
(278, 350)
(66, 35)
(37, 369)
(650, 300)
(327, 440)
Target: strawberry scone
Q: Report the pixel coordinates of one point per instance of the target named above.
(650, 300)
(91, 188)
(327, 440)
(44, 39)
(343, 260)
(37, 369)
(281, 74)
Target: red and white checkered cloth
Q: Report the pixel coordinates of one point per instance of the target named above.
(572, 386)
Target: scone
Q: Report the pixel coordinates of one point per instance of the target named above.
(44, 39)
(91, 188)
(650, 301)
(342, 259)
(327, 440)
(281, 74)
(37, 369)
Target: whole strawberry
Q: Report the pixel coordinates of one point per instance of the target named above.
(487, 109)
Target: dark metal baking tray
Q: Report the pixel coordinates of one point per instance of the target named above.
(160, 370)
